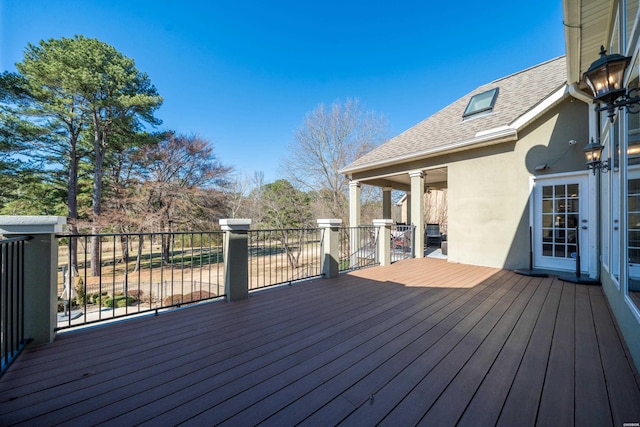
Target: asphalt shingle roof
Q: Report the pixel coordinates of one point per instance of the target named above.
(518, 94)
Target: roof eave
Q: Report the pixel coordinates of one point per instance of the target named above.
(482, 139)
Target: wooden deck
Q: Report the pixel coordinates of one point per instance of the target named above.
(421, 342)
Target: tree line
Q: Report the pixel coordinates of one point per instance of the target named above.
(79, 137)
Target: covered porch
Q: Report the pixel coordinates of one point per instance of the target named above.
(421, 341)
(415, 210)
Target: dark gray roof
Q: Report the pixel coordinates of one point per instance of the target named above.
(518, 94)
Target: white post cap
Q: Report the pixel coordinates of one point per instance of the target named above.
(330, 222)
(235, 224)
(44, 224)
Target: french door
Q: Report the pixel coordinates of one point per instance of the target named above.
(561, 223)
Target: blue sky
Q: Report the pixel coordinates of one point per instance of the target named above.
(244, 74)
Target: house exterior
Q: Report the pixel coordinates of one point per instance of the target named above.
(511, 156)
(614, 25)
(498, 151)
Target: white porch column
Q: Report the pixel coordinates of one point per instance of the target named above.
(236, 255)
(330, 247)
(408, 208)
(386, 202)
(384, 240)
(354, 203)
(40, 272)
(417, 211)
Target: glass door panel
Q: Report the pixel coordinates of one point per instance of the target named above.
(558, 223)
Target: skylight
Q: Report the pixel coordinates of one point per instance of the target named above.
(481, 102)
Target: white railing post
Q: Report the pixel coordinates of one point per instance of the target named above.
(355, 206)
(236, 258)
(330, 261)
(384, 240)
(40, 272)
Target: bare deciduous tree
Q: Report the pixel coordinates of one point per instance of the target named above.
(236, 197)
(176, 182)
(181, 182)
(328, 140)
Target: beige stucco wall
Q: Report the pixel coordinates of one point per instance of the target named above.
(489, 188)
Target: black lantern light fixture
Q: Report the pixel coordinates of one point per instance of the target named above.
(605, 77)
(593, 153)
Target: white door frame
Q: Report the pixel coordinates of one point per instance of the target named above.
(587, 221)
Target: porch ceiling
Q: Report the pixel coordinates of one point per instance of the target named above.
(435, 178)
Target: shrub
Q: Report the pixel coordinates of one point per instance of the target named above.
(81, 291)
(117, 301)
(123, 301)
(136, 294)
(172, 300)
(71, 305)
(93, 298)
(197, 296)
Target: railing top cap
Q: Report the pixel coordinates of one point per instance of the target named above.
(329, 222)
(43, 224)
(235, 224)
(383, 222)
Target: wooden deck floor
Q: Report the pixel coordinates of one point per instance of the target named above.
(422, 342)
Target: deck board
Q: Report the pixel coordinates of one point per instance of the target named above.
(592, 404)
(424, 357)
(348, 369)
(621, 387)
(452, 402)
(421, 341)
(556, 402)
(189, 377)
(486, 404)
(422, 397)
(259, 384)
(344, 371)
(521, 404)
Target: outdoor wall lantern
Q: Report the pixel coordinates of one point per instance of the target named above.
(593, 153)
(605, 78)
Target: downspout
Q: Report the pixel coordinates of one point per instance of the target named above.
(598, 207)
(594, 119)
(594, 132)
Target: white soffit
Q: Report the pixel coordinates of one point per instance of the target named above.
(587, 25)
